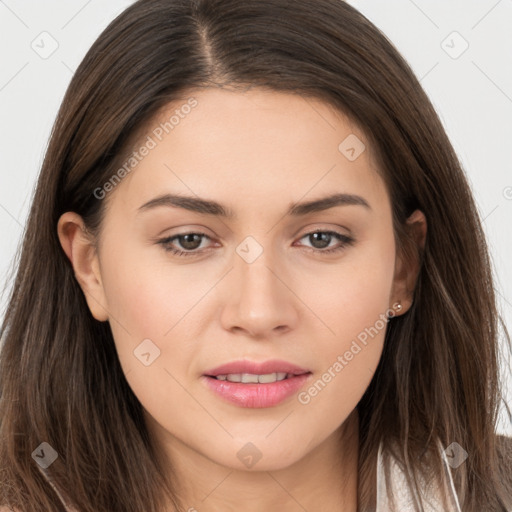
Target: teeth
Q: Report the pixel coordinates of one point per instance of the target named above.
(266, 379)
(249, 378)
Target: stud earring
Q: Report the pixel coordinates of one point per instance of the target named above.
(399, 307)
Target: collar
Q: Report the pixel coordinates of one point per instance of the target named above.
(391, 481)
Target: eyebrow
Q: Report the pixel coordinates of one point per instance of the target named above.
(208, 207)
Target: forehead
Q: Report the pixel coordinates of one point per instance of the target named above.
(249, 146)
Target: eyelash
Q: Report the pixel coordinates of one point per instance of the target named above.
(344, 239)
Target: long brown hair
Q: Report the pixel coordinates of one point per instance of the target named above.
(60, 379)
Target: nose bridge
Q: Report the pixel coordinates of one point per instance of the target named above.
(259, 301)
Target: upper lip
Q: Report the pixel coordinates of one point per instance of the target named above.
(255, 368)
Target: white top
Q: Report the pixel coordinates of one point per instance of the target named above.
(404, 496)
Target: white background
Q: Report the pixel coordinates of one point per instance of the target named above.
(472, 94)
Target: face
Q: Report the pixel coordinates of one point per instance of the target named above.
(270, 273)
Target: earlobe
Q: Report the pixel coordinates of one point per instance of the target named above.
(81, 252)
(408, 261)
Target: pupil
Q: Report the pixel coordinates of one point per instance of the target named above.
(325, 242)
(189, 241)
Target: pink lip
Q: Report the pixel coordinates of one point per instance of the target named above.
(256, 395)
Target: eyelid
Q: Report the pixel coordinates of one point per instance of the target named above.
(316, 227)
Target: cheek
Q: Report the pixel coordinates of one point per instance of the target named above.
(353, 304)
(152, 307)
(149, 295)
(350, 296)
(149, 298)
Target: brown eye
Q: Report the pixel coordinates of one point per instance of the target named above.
(190, 241)
(322, 239)
(186, 244)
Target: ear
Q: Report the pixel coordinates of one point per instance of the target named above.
(408, 262)
(81, 251)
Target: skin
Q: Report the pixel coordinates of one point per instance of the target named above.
(257, 153)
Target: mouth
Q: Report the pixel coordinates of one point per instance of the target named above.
(270, 370)
(256, 385)
(251, 378)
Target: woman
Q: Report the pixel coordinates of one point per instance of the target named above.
(253, 278)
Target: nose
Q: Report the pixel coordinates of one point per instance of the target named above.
(260, 302)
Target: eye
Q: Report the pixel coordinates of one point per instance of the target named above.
(188, 241)
(322, 239)
(191, 243)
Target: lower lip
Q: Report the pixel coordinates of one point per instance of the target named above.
(256, 395)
